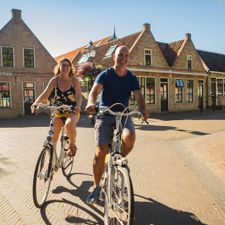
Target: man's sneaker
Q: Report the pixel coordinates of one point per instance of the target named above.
(93, 197)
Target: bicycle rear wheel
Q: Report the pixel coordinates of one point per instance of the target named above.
(42, 177)
(122, 198)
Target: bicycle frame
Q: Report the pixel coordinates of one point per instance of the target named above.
(57, 161)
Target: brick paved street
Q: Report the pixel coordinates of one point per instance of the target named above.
(173, 183)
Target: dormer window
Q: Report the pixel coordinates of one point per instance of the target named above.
(86, 57)
(148, 57)
(189, 62)
(7, 56)
(110, 51)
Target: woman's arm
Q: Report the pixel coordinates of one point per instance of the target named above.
(78, 95)
(45, 94)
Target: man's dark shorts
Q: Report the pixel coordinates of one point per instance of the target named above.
(104, 125)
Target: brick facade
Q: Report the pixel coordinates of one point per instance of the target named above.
(17, 35)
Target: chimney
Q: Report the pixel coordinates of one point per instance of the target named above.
(146, 27)
(16, 15)
(188, 36)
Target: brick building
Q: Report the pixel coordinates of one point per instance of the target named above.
(173, 76)
(25, 67)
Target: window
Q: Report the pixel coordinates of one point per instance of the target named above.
(213, 86)
(4, 95)
(150, 90)
(7, 57)
(148, 57)
(110, 51)
(147, 86)
(189, 62)
(83, 59)
(179, 90)
(190, 86)
(220, 87)
(28, 54)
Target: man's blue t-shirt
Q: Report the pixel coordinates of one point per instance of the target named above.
(116, 89)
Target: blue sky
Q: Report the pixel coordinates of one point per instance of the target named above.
(62, 26)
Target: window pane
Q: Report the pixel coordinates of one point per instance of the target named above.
(28, 85)
(220, 87)
(150, 90)
(4, 95)
(29, 58)
(7, 56)
(189, 62)
(110, 51)
(190, 85)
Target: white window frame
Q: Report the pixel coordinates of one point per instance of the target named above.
(189, 57)
(7, 46)
(34, 59)
(145, 53)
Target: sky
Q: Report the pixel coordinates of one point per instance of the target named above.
(63, 26)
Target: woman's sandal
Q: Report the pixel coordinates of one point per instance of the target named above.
(72, 151)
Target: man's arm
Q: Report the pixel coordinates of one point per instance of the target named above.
(141, 103)
(95, 90)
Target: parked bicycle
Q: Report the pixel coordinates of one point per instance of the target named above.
(116, 184)
(49, 161)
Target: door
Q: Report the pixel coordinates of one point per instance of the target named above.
(29, 96)
(200, 94)
(164, 94)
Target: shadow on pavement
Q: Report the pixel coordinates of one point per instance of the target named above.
(190, 115)
(43, 120)
(152, 212)
(38, 121)
(71, 218)
(164, 128)
(79, 191)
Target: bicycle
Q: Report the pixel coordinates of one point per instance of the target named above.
(116, 184)
(49, 161)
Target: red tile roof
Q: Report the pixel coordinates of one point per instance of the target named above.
(103, 48)
(170, 50)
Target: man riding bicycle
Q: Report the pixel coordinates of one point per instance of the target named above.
(116, 84)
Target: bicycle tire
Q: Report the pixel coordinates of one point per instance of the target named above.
(43, 174)
(67, 164)
(122, 210)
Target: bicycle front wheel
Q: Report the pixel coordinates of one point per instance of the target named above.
(42, 177)
(67, 165)
(120, 209)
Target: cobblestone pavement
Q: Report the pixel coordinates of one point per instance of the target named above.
(172, 185)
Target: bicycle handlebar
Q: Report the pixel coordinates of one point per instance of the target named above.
(105, 109)
(54, 109)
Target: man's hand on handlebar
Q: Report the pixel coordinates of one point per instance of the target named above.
(90, 109)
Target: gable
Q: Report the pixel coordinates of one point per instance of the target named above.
(186, 49)
(147, 41)
(18, 35)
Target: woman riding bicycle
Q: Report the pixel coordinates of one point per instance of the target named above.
(67, 92)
